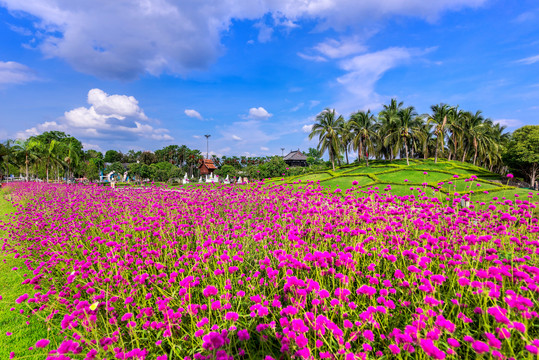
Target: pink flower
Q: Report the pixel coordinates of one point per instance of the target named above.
(394, 349)
(367, 334)
(510, 176)
(127, 316)
(42, 343)
(480, 347)
(232, 316)
(21, 298)
(209, 291)
(243, 335)
(453, 342)
(519, 326)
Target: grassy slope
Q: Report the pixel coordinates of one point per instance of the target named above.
(23, 335)
(402, 178)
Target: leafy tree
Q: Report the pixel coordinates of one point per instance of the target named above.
(227, 170)
(327, 127)
(28, 151)
(522, 154)
(113, 156)
(314, 157)
(148, 158)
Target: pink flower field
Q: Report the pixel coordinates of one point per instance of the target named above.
(275, 272)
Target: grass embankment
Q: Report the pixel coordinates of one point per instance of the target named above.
(18, 332)
(441, 178)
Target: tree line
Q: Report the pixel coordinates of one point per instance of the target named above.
(400, 132)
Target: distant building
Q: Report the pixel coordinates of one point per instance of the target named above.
(206, 167)
(295, 158)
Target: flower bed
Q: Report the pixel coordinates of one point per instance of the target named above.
(265, 272)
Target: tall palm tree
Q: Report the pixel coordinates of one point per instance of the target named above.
(28, 150)
(72, 157)
(327, 128)
(50, 153)
(439, 117)
(455, 121)
(363, 126)
(406, 128)
(346, 137)
(387, 118)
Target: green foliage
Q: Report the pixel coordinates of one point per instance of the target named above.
(112, 156)
(227, 170)
(522, 154)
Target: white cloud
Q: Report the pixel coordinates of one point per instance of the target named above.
(131, 38)
(88, 146)
(193, 113)
(12, 72)
(263, 148)
(529, 60)
(363, 71)
(197, 136)
(236, 137)
(307, 128)
(335, 49)
(109, 117)
(259, 114)
(264, 33)
(313, 103)
(297, 107)
(509, 122)
(317, 58)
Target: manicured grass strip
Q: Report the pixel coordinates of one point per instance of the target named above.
(345, 182)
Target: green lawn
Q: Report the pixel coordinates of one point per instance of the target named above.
(23, 335)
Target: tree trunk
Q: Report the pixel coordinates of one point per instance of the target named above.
(475, 156)
(346, 151)
(464, 156)
(366, 156)
(26, 167)
(360, 150)
(406, 151)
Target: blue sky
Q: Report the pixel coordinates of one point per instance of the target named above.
(254, 74)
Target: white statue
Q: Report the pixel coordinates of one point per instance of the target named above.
(185, 179)
(124, 179)
(227, 181)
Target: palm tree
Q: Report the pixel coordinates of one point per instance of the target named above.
(439, 117)
(72, 157)
(363, 126)
(28, 150)
(405, 129)
(50, 153)
(456, 119)
(346, 138)
(387, 118)
(327, 128)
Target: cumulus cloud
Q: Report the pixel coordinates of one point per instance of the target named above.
(193, 114)
(307, 128)
(263, 148)
(12, 72)
(108, 117)
(133, 37)
(259, 114)
(236, 137)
